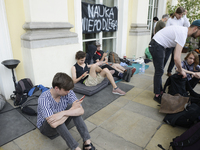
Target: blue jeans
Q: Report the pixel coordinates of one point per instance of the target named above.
(48, 131)
(167, 54)
(158, 54)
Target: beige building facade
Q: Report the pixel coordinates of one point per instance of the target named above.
(46, 34)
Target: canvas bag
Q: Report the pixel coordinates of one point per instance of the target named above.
(173, 104)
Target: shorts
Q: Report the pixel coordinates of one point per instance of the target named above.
(91, 81)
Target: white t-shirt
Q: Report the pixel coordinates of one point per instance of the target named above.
(171, 35)
(184, 21)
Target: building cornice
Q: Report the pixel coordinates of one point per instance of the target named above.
(139, 29)
(45, 34)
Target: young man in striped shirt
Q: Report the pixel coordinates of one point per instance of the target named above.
(53, 115)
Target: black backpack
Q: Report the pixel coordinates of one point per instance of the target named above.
(22, 89)
(186, 118)
(189, 140)
(178, 85)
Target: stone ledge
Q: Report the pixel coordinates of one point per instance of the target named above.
(45, 34)
(139, 29)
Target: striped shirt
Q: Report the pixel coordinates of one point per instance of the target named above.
(188, 67)
(47, 106)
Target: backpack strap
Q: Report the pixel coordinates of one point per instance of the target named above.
(166, 84)
(29, 81)
(113, 58)
(21, 83)
(187, 69)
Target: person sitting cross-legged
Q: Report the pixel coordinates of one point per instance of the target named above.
(91, 75)
(53, 115)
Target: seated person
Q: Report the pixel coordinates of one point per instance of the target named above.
(101, 58)
(52, 114)
(191, 67)
(91, 75)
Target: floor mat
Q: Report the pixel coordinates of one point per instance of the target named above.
(13, 125)
(6, 108)
(92, 104)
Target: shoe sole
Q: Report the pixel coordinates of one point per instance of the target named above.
(117, 93)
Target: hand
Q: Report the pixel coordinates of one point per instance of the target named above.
(183, 73)
(104, 54)
(83, 75)
(55, 117)
(196, 75)
(76, 104)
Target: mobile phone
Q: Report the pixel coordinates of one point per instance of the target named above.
(107, 51)
(82, 98)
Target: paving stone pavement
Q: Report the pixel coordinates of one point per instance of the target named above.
(132, 122)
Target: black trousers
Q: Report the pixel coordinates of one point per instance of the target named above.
(193, 82)
(158, 54)
(116, 74)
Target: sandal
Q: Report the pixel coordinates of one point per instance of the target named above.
(88, 145)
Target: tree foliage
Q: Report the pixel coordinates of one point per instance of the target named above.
(192, 7)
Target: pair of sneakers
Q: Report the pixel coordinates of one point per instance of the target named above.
(118, 91)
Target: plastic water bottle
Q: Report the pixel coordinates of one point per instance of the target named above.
(140, 70)
(143, 67)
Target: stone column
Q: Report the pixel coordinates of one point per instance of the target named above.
(48, 45)
(139, 35)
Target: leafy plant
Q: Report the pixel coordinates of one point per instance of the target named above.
(192, 7)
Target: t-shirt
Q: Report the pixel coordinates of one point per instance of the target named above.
(184, 21)
(160, 24)
(170, 36)
(98, 55)
(47, 106)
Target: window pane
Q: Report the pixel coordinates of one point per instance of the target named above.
(108, 34)
(109, 3)
(89, 1)
(85, 45)
(89, 36)
(107, 45)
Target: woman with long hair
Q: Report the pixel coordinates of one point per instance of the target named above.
(191, 67)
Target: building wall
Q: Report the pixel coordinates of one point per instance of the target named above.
(71, 14)
(16, 19)
(138, 36)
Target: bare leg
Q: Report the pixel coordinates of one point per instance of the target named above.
(93, 69)
(106, 73)
(119, 68)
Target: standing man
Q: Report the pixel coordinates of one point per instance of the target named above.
(161, 23)
(155, 20)
(53, 116)
(179, 18)
(172, 36)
